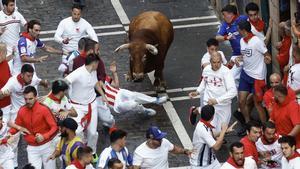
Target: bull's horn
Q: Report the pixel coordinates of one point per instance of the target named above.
(124, 46)
(152, 49)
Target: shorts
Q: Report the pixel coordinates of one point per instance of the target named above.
(251, 85)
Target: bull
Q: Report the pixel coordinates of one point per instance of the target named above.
(150, 36)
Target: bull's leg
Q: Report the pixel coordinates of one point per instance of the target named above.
(159, 82)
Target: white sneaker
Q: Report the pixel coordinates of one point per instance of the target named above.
(161, 100)
(149, 112)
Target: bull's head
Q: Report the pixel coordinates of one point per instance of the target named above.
(138, 55)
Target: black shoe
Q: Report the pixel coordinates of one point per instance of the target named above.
(192, 115)
(239, 116)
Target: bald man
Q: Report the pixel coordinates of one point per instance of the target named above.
(218, 88)
(275, 80)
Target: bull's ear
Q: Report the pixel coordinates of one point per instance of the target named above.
(124, 46)
(152, 49)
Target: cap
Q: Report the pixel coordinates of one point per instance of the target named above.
(155, 133)
(69, 123)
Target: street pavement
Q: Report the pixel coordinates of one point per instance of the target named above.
(194, 23)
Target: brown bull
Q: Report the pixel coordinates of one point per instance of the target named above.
(150, 36)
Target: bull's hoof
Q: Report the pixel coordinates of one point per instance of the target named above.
(128, 78)
(160, 86)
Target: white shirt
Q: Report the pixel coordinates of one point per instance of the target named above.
(11, 34)
(294, 78)
(217, 84)
(274, 150)
(249, 163)
(16, 91)
(148, 158)
(82, 88)
(5, 150)
(67, 28)
(108, 153)
(260, 35)
(206, 58)
(290, 164)
(203, 141)
(253, 57)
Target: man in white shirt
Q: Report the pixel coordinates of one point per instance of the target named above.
(291, 158)
(6, 152)
(204, 144)
(219, 89)
(16, 85)
(257, 24)
(117, 150)
(84, 159)
(70, 30)
(14, 88)
(252, 80)
(153, 153)
(268, 147)
(10, 24)
(27, 45)
(294, 73)
(212, 46)
(84, 80)
(237, 159)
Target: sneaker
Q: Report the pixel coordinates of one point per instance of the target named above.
(192, 115)
(161, 100)
(149, 112)
(95, 158)
(239, 116)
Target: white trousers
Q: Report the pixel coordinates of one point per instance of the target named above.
(222, 115)
(7, 163)
(131, 101)
(6, 112)
(38, 155)
(104, 113)
(215, 165)
(90, 135)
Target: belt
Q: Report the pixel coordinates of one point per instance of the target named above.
(85, 120)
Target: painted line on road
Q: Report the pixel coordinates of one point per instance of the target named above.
(193, 18)
(120, 12)
(195, 25)
(126, 29)
(180, 98)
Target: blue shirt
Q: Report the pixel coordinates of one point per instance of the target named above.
(232, 29)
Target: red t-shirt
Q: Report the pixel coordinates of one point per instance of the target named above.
(269, 97)
(5, 75)
(249, 148)
(286, 116)
(283, 54)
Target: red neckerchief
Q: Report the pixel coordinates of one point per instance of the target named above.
(77, 164)
(26, 35)
(54, 98)
(83, 54)
(265, 142)
(207, 123)
(295, 155)
(259, 24)
(21, 80)
(248, 37)
(233, 19)
(233, 163)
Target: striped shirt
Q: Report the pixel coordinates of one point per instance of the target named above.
(110, 91)
(109, 153)
(203, 141)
